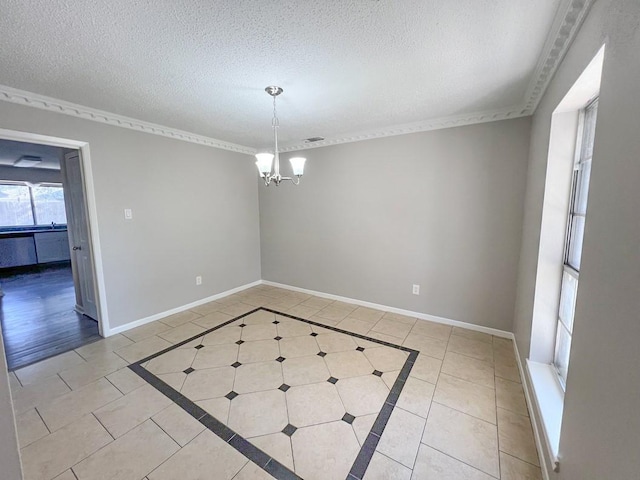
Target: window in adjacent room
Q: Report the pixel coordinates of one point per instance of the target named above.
(22, 204)
(15, 205)
(573, 241)
(48, 204)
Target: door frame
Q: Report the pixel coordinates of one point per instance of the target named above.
(92, 211)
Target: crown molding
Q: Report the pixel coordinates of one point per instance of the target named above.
(423, 126)
(568, 20)
(21, 97)
(567, 23)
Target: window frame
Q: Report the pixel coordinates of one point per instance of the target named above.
(34, 216)
(584, 136)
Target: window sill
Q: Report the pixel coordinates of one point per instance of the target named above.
(550, 400)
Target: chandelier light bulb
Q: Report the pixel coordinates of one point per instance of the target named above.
(297, 165)
(263, 163)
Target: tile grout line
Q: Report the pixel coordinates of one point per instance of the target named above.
(173, 454)
(394, 395)
(241, 469)
(42, 419)
(458, 460)
(373, 437)
(206, 418)
(114, 385)
(167, 433)
(286, 401)
(468, 414)
(63, 381)
(493, 359)
(424, 429)
(520, 459)
(396, 461)
(102, 425)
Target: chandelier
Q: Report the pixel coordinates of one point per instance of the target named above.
(264, 160)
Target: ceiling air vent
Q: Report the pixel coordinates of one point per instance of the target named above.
(313, 139)
(27, 161)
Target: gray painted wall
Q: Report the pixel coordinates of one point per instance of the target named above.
(601, 427)
(195, 212)
(33, 175)
(441, 209)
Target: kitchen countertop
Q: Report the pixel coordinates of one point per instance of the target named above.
(13, 233)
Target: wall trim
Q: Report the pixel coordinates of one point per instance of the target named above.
(439, 123)
(399, 311)
(568, 20)
(182, 308)
(566, 24)
(92, 211)
(22, 97)
(533, 410)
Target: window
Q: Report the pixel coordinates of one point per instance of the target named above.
(22, 204)
(48, 204)
(15, 205)
(573, 240)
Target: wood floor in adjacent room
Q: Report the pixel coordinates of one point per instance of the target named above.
(214, 396)
(37, 315)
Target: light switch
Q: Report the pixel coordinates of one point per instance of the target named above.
(128, 214)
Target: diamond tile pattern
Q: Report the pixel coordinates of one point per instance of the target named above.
(259, 401)
(348, 418)
(289, 430)
(311, 413)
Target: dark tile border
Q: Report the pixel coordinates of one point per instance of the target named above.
(264, 461)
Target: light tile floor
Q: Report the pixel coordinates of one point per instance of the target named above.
(461, 415)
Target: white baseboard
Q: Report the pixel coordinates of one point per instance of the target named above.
(533, 412)
(422, 316)
(173, 311)
(400, 311)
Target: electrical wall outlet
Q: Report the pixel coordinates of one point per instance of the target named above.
(416, 289)
(198, 280)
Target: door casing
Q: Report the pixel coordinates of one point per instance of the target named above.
(91, 210)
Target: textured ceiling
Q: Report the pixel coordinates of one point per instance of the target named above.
(10, 151)
(346, 66)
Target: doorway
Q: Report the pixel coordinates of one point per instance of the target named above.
(50, 302)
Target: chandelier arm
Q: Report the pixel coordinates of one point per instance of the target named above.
(295, 181)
